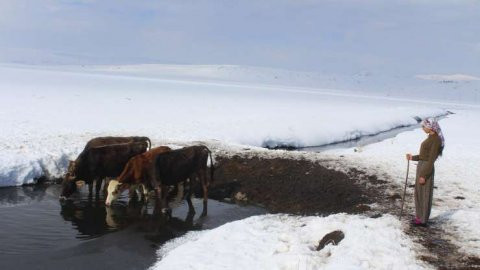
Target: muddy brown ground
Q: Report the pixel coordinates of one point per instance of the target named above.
(309, 188)
(290, 186)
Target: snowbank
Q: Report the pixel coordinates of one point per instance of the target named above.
(48, 115)
(289, 242)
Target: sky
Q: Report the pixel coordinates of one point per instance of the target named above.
(342, 36)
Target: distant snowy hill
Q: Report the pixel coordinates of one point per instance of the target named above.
(452, 88)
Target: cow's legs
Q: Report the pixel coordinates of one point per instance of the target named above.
(164, 201)
(90, 188)
(158, 196)
(98, 185)
(188, 195)
(105, 186)
(203, 180)
(189, 218)
(133, 196)
(143, 193)
(161, 200)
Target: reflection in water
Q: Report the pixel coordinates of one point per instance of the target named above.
(161, 229)
(24, 194)
(91, 218)
(87, 217)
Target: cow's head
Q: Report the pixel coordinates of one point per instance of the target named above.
(70, 183)
(114, 190)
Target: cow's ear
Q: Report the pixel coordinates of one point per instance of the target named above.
(80, 184)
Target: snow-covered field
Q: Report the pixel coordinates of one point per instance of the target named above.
(48, 114)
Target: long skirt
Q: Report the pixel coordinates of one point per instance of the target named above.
(423, 195)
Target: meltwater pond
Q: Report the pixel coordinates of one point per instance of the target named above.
(37, 232)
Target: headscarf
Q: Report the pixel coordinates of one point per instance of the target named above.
(432, 123)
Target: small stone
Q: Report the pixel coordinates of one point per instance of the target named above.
(331, 238)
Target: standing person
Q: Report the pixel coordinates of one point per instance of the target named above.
(431, 148)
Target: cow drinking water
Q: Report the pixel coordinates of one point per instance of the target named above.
(137, 173)
(171, 168)
(96, 163)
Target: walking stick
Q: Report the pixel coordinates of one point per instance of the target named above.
(404, 190)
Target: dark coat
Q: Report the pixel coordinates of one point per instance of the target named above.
(100, 162)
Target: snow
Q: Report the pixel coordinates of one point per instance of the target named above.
(289, 242)
(48, 114)
(456, 173)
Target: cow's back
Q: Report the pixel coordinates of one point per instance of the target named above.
(109, 160)
(139, 167)
(177, 165)
(110, 140)
(152, 153)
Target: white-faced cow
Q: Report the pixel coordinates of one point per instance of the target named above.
(137, 173)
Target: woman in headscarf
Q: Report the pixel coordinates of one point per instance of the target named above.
(431, 148)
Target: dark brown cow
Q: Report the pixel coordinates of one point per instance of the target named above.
(101, 141)
(136, 172)
(96, 163)
(177, 166)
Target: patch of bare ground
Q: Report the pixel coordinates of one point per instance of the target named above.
(301, 187)
(306, 187)
(442, 253)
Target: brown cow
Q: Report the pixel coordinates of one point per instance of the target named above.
(177, 166)
(102, 141)
(136, 172)
(96, 163)
(171, 168)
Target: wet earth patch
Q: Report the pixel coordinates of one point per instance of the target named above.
(290, 186)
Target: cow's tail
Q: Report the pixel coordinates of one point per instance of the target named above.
(149, 143)
(212, 168)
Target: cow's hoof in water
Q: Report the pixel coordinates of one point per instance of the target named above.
(204, 214)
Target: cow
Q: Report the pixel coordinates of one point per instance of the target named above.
(177, 166)
(171, 168)
(102, 141)
(137, 173)
(96, 163)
